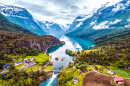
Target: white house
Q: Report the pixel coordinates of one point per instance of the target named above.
(75, 81)
(32, 59)
(109, 72)
(25, 60)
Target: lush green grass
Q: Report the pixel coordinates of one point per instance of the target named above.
(49, 67)
(78, 75)
(19, 66)
(75, 73)
(121, 72)
(1, 82)
(33, 68)
(39, 58)
(99, 67)
(87, 51)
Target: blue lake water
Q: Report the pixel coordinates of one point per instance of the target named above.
(71, 43)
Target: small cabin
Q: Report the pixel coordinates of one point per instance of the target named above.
(32, 59)
(118, 80)
(6, 74)
(109, 72)
(75, 81)
(17, 63)
(5, 66)
(25, 60)
(83, 70)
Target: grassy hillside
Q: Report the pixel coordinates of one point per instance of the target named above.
(7, 25)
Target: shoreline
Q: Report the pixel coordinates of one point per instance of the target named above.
(46, 53)
(54, 46)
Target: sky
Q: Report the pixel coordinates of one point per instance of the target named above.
(60, 11)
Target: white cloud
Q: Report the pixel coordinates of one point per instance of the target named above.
(116, 21)
(101, 26)
(60, 11)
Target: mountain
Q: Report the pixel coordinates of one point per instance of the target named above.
(65, 27)
(106, 21)
(50, 27)
(76, 23)
(5, 24)
(21, 17)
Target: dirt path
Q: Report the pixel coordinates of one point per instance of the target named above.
(96, 79)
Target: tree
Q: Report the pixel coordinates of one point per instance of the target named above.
(127, 59)
(11, 67)
(78, 52)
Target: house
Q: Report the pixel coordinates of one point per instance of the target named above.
(107, 68)
(17, 63)
(5, 66)
(118, 80)
(6, 74)
(51, 63)
(83, 70)
(109, 72)
(25, 60)
(32, 59)
(75, 81)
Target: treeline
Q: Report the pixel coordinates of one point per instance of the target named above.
(114, 52)
(22, 78)
(15, 43)
(115, 37)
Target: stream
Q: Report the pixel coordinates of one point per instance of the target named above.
(71, 43)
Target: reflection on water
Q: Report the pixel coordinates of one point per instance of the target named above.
(71, 43)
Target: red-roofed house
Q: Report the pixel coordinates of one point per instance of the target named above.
(118, 80)
(51, 63)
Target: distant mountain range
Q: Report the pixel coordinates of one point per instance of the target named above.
(106, 21)
(50, 27)
(22, 17)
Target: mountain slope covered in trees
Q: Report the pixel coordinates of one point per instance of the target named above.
(21, 17)
(7, 25)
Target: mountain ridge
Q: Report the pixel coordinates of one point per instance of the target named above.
(112, 18)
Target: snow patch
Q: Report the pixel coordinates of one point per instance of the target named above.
(121, 6)
(127, 26)
(116, 21)
(84, 18)
(101, 26)
(14, 16)
(79, 24)
(92, 23)
(128, 20)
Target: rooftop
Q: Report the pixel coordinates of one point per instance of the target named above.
(118, 78)
(5, 65)
(18, 62)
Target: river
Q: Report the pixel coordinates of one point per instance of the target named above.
(71, 43)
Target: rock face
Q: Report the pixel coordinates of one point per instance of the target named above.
(42, 45)
(14, 42)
